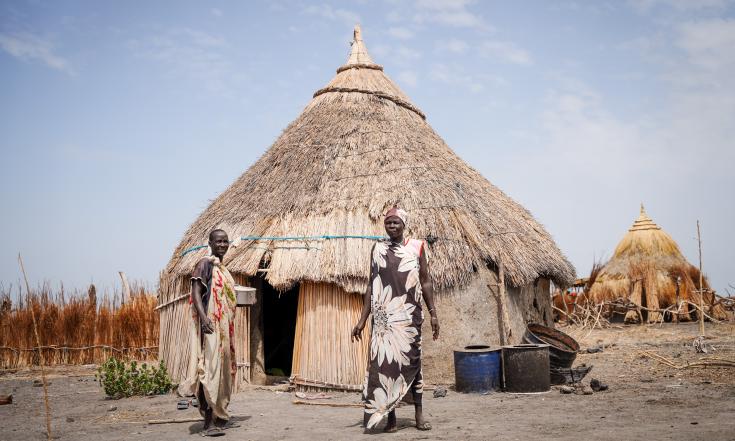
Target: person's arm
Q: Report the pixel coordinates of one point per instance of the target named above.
(197, 291)
(366, 305)
(428, 291)
(357, 330)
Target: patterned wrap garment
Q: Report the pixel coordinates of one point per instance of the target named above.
(212, 357)
(394, 367)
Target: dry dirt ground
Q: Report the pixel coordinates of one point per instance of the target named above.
(647, 400)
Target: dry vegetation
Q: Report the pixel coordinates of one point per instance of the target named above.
(77, 328)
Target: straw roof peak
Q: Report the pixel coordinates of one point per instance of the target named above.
(644, 222)
(359, 56)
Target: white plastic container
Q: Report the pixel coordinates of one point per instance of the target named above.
(245, 295)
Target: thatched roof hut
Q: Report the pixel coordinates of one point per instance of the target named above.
(649, 270)
(310, 208)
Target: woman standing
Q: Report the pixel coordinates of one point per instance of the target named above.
(399, 276)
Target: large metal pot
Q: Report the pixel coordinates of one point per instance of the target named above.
(526, 368)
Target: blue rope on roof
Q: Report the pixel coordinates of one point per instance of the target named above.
(300, 238)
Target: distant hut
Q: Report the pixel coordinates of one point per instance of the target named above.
(648, 270)
(308, 212)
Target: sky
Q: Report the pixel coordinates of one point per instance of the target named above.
(121, 121)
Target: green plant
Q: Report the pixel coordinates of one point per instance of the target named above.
(119, 380)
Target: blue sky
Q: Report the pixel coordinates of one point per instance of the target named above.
(114, 115)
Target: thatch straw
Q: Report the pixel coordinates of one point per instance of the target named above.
(648, 260)
(359, 147)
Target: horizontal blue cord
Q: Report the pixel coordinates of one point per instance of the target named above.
(300, 238)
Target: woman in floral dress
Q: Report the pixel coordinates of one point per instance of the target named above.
(399, 277)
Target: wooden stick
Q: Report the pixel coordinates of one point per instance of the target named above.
(503, 316)
(701, 288)
(176, 420)
(312, 403)
(40, 352)
(125, 287)
(709, 361)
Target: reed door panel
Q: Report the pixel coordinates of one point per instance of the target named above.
(324, 355)
(242, 339)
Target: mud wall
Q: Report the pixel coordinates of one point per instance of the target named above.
(469, 316)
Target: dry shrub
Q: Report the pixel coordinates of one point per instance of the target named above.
(76, 329)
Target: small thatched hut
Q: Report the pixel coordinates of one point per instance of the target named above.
(648, 270)
(308, 212)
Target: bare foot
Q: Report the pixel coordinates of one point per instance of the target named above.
(421, 424)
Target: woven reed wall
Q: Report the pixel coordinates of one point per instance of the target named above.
(324, 355)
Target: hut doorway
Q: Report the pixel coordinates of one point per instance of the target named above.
(279, 328)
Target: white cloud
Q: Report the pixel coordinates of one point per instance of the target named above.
(645, 6)
(408, 77)
(326, 11)
(29, 47)
(399, 55)
(452, 13)
(400, 33)
(709, 43)
(455, 75)
(194, 55)
(505, 51)
(216, 12)
(454, 45)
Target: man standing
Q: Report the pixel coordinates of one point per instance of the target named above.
(212, 363)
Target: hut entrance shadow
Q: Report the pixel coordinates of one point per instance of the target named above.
(279, 328)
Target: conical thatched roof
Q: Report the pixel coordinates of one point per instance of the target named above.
(359, 147)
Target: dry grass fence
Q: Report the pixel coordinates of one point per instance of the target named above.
(76, 329)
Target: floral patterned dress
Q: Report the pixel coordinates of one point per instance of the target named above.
(394, 367)
(212, 357)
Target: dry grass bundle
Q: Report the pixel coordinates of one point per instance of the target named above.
(649, 271)
(76, 329)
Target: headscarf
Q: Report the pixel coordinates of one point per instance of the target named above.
(399, 213)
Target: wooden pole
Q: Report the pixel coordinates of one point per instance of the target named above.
(125, 287)
(504, 318)
(701, 287)
(40, 351)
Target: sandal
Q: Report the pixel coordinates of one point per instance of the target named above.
(213, 431)
(423, 426)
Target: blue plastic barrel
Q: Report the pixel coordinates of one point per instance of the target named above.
(477, 369)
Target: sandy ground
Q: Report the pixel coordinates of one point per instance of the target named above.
(647, 400)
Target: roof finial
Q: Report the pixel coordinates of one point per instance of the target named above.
(358, 53)
(644, 222)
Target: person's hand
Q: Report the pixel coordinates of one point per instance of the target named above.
(357, 331)
(207, 325)
(435, 326)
